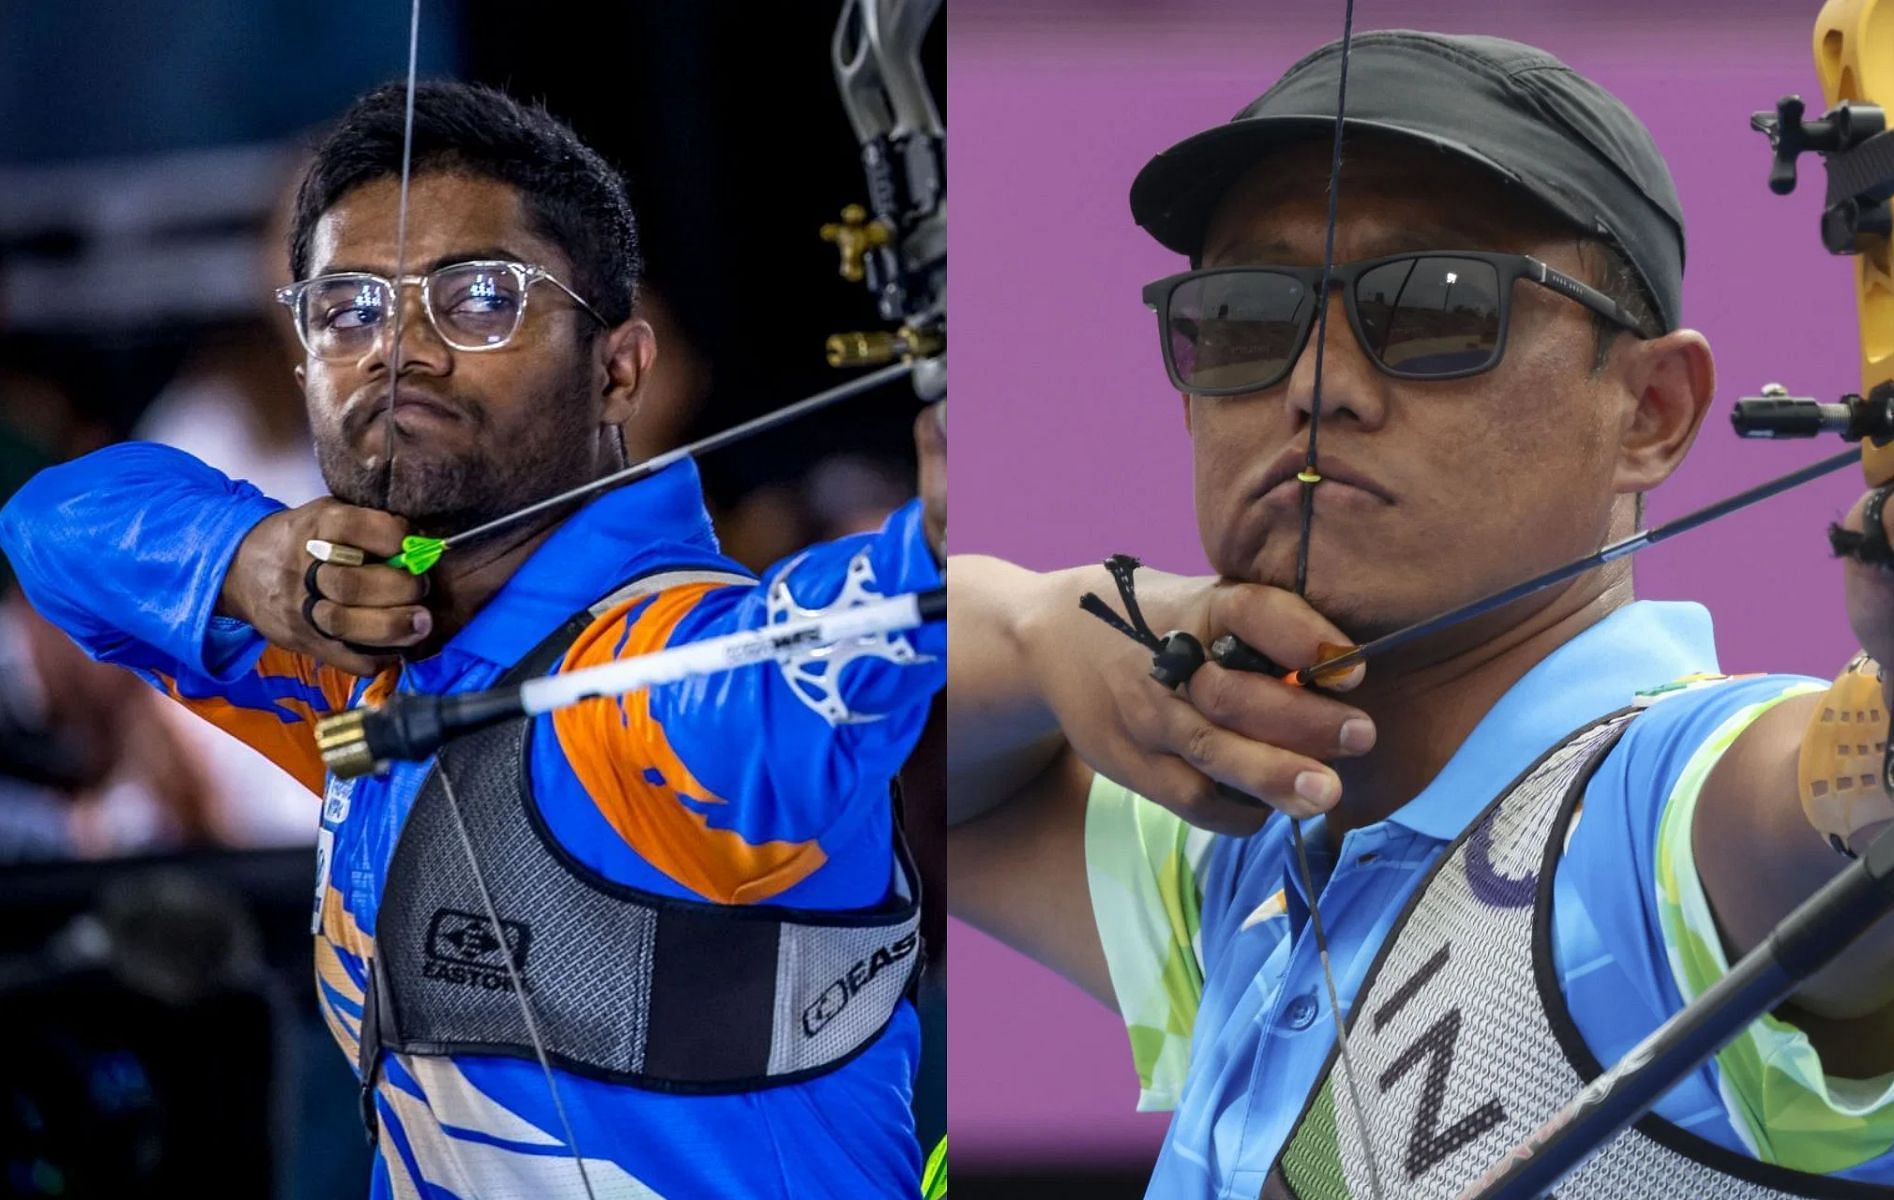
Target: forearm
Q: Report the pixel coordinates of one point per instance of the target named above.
(1023, 656)
(1001, 731)
(126, 551)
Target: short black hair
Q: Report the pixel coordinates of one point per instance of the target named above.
(1617, 278)
(572, 196)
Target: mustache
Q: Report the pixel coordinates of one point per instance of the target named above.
(370, 403)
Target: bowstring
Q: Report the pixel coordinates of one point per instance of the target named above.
(440, 761)
(401, 260)
(513, 974)
(1309, 478)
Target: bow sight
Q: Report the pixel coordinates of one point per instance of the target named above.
(1857, 153)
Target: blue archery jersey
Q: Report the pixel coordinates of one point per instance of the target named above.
(738, 789)
(1218, 978)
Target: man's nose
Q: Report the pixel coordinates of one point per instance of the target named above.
(408, 336)
(1349, 383)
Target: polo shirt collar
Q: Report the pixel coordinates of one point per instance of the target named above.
(1642, 645)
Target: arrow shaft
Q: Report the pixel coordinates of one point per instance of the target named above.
(774, 642)
(1622, 548)
(716, 441)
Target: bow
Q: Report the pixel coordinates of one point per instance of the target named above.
(901, 255)
(1858, 159)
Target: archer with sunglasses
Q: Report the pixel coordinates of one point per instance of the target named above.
(1526, 840)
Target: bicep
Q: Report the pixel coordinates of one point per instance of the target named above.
(1019, 874)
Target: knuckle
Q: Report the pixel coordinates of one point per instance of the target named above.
(1200, 745)
(391, 625)
(331, 583)
(323, 615)
(1209, 690)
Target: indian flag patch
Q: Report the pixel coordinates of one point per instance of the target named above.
(1687, 683)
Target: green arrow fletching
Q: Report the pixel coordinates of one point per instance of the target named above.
(418, 554)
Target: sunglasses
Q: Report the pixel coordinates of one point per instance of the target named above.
(1228, 330)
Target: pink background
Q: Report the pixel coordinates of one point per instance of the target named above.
(1068, 446)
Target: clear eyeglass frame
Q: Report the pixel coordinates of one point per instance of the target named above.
(525, 275)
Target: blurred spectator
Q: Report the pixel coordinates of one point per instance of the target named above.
(841, 494)
(234, 404)
(88, 765)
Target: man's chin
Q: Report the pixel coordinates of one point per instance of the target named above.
(1360, 607)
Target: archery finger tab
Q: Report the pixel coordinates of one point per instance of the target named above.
(1840, 770)
(1236, 654)
(1178, 657)
(334, 552)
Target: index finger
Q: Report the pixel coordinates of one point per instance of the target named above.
(1280, 624)
(377, 532)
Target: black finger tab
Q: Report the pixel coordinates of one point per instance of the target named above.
(1178, 656)
(1235, 654)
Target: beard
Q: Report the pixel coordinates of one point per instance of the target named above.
(504, 470)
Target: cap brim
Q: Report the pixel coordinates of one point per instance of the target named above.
(1177, 192)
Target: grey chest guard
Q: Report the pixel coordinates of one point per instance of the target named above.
(1462, 1043)
(625, 985)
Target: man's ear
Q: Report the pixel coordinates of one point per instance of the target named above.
(1671, 380)
(630, 349)
(1186, 401)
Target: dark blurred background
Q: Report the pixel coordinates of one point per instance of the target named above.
(154, 955)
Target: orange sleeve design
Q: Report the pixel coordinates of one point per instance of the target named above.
(610, 746)
(291, 745)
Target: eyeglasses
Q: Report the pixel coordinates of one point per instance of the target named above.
(473, 306)
(1228, 330)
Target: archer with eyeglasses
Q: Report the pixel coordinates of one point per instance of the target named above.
(615, 949)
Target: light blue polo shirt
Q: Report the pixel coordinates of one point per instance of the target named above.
(1216, 972)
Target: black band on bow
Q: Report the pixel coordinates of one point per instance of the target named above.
(1870, 546)
(1175, 656)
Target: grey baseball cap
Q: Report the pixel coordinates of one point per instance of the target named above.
(1510, 108)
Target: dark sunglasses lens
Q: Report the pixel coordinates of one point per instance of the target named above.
(1237, 330)
(1432, 315)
